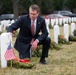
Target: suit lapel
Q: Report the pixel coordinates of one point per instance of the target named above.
(29, 23)
(37, 25)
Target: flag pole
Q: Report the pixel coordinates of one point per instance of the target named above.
(11, 63)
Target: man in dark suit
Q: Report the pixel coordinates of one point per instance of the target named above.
(30, 26)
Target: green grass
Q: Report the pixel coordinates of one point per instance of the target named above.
(60, 62)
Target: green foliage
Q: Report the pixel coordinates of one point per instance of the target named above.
(74, 32)
(62, 40)
(70, 4)
(46, 6)
(6, 6)
(38, 51)
(55, 46)
(72, 38)
(20, 65)
(50, 26)
(0, 32)
(24, 6)
(58, 4)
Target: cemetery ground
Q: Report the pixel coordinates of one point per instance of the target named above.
(60, 62)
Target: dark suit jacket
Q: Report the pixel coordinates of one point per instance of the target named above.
(25, 36)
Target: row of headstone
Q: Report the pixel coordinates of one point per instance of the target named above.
(59, 21)
(62, 21)
(4, 42)
(66, 27)
(66, 31)
(5, 23)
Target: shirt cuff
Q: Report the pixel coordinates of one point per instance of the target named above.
(37, 40)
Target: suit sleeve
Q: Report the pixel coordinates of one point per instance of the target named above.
(43, 31)
(17, 24)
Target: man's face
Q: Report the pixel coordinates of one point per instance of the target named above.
(33, 14)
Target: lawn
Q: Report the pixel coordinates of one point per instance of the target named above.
(60, 62)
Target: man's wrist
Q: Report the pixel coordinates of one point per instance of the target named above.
(37, 40)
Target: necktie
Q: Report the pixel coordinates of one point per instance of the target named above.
(32, 28)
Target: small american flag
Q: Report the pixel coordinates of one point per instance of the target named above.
(9, 54)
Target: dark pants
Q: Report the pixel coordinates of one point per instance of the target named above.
(45, 48)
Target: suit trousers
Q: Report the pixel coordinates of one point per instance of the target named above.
(45, 48)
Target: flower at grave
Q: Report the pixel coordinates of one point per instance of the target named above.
(21, 65)
(62, 40)
(61, 36)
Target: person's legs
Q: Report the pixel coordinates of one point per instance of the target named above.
(45, 48)
(46, 45)
(26, 54)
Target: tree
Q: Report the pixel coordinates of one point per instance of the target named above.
(15, 8)
(58, 4)
(46, 6)
(70, 5)
(41, 3)
(6, 6)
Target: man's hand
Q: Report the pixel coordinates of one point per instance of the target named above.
(34, 44)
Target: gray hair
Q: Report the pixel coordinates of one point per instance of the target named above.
(35, 7)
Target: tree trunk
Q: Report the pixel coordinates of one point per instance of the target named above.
(15, 9)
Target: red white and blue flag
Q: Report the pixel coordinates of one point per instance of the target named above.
(9, 54)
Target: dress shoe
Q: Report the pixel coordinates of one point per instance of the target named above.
(43, 61)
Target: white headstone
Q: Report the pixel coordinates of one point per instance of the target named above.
(72, 28)
(52, 22)
(5, 40)
(72, 19)
(56, 33)
(2, 23)
(47, 25)
(57, 21)
(75, 19)
(69, 19)
(66, 31)
(6, 24)
(64, 20)
(12, 21)
(60, 21)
